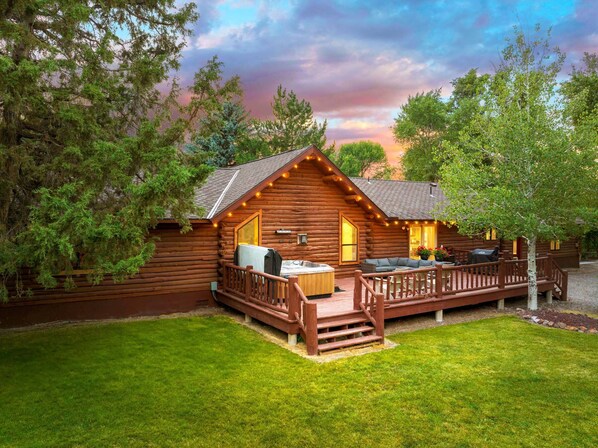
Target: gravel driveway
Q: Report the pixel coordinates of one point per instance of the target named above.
(583, 286)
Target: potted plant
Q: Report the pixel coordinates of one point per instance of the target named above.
(440, 253)
(423, 252)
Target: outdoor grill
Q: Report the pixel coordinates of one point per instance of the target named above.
(482, 256)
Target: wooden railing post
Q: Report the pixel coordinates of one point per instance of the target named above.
(310, 320)
(293, 297)
(225, 276)
(438, 274)
(565, 286)
(248, 270)
(501, 273)
(548, 267)
(379, 315)
(357, 290)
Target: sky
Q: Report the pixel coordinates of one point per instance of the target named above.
(357, 62)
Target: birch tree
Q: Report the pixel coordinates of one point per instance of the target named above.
(522, 167)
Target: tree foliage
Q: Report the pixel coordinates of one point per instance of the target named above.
(582, 89)
(227, 130)
(359, 159)
(521, 167)
(426, 122)
(292, 127)
(89, 157)
(421, 124)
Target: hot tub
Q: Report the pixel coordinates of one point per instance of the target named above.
(315, 279)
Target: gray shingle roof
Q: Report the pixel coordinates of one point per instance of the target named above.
(227, 185)
(402, 199)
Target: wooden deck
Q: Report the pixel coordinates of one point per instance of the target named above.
(356, 314)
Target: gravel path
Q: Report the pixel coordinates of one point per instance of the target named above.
(583, 287)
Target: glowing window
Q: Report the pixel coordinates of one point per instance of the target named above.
(555, 245)
(349, 241)
(248, 232)
(491, 235)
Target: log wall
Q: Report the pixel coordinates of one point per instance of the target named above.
(177, 278)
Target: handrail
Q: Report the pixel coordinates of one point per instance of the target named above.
(305, 313)
(371, 303)
(560, 277)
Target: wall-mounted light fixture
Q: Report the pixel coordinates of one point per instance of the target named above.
(302, 239)
(283, 232)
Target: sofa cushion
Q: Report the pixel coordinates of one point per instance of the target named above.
(383, 262)
(403, 261)
(413, 263)
(425, 263)
(394, 261)
(385, 268)
(371, 261)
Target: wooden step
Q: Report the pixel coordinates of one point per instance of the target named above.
(342, 322)
(348, 343)
(347, 332)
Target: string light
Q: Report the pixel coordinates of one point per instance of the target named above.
(230, 214)
(244, 204)
(258, 194)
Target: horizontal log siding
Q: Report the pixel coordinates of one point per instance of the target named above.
(567, 256)
(449, 236)
(182, 263)
(391, 241)
(301, 203)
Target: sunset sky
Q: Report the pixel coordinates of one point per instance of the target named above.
(357, 62)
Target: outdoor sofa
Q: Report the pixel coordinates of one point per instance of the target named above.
(370, 265)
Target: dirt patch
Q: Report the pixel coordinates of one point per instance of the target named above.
(566, 321)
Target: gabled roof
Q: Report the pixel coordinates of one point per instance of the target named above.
(225, 186)
(402, 199)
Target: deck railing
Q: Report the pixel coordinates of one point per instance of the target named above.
(256, 287)
(306, 315)
(370, 301)
(560, 277)
(446, 280)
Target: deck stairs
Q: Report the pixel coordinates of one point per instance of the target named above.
(347, 331)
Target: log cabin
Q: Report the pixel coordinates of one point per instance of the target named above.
(297, 202)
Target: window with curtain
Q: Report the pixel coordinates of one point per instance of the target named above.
(349, 241)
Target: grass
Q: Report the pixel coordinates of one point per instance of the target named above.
(208, 381)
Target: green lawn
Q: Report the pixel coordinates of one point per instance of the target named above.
(207, 381)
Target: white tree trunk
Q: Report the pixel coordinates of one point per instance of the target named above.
(532, 281)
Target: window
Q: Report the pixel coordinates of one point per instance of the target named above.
(349, 236)
(555, 245)
(514, 247)
(421, 235)
(248, 232)
(491, 235)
